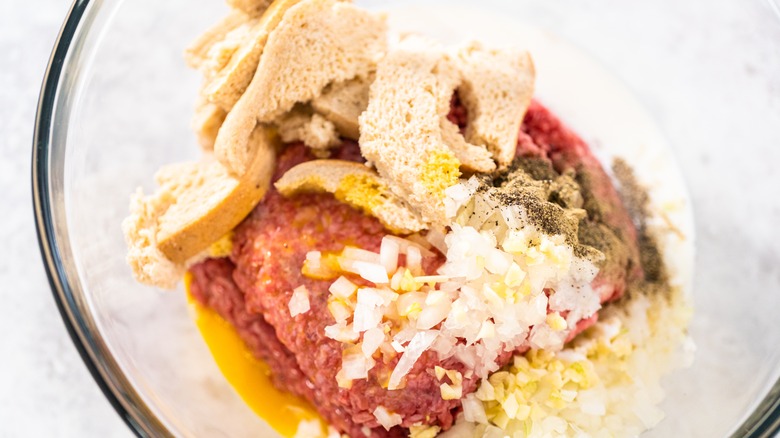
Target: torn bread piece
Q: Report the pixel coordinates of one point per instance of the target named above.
(206, 123)
(197, 53)
(400, 131)
(473, 158)
(232, 62)
(195, 205)
(496, 90)
(314, 130)
(343, 102)
(254, 8)
(355, 185)
(317, 42)
(405, 131)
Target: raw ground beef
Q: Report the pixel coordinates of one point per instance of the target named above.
(253, 287)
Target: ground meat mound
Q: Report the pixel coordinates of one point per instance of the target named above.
(252, 288)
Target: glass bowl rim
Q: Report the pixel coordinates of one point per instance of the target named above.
(763, 422)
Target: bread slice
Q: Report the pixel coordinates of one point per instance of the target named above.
(198, 51)
(314, 130)
(317, 42)
(206, 123)
(234, 60)
(472, 158)
(195, 204)
(254, 8)
(343, 102)
(496, 90)
(400, 131)
(354, 184)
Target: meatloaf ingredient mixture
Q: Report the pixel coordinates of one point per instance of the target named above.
(252, 288)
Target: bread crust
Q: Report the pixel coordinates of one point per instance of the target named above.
(315, 43)
(354, 184)
(195, 205)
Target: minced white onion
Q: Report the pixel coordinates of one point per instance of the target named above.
(372, 272)
(388, 254)
(343, 288)
(419, 343)
(299, 302)
(405, 244)
(341, 332)
(372, 339)
(387, 419)
(358, 254)
(414, 260)
(473, 410)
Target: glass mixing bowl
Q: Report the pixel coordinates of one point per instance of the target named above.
(116, 105)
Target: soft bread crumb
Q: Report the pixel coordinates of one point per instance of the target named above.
(353, 184)
(149, 264)
(496, 91)
(254, 8)
(195, 205)
(302, 124)
(315, 43)
(343, 102)
(198, 51)
(400, 131)
(473, 158)
(206, 123)
(233, 61)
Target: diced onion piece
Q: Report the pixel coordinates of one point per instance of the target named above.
(421, 341)
(308, 429)
(410, 304)
(556, 321)
(339, 309)
(387, 419)
(487, 331)
(423, 431)
(436, 238)
(455, 377)
(343, 288)
(388, 254)
(451, 392)
(359, 255)
(372, 272)
(366, 317)
(299, 302)
(414, 260)
(354, 364)
(372, 339)
(514, 275)
(405, 244)
(473, 410)
(437, 307)
(341, 332)
(395, 281)
(497, 261)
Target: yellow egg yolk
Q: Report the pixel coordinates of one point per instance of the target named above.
(249, 376)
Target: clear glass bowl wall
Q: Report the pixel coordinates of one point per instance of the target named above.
(120, 105)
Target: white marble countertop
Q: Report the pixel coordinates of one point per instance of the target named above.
(45, 389)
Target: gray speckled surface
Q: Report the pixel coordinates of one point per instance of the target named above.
(45, 390)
